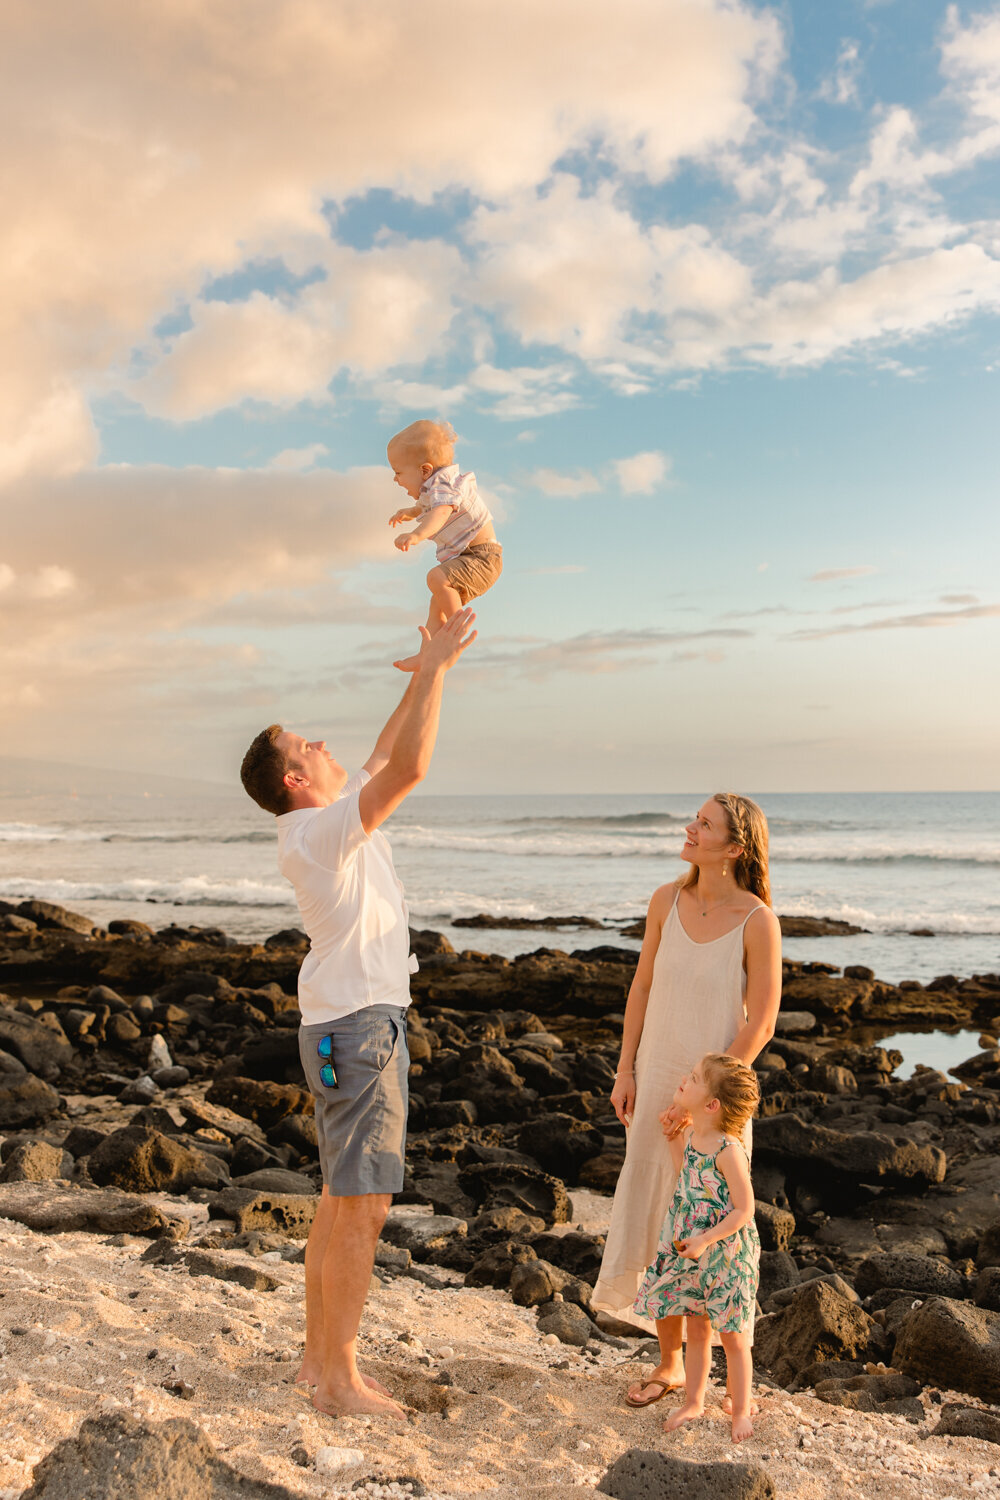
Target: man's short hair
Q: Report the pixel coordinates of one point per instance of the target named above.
(263, 772)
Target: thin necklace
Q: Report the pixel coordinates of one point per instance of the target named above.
(715, 907)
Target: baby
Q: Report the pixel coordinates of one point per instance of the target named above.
(449, 508)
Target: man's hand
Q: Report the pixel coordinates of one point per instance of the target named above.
(401, 515)
(441, 651)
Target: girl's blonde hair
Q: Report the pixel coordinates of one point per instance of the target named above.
(748, 828)
(736, 1088)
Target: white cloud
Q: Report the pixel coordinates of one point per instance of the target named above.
(928, 619)
(841, 87)
(828, 575)
(551, 482)
(299, 459)
(185, 147)
(642, 473)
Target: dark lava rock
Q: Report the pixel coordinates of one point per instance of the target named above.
(290, 1214)
(967, 1421)
(986, 1292)
(506, 1185)
(988, 1249)
(36, 1161)
(859, 1156)
(576, 1252)
(869, 1392)
(142, 1160)
(560, 1144)
(483, 919)
(777, 1271)
(568, 1322)
(40, 1044)
(818, 1324)
(827, 996)
(817, 927)
(910, 1273)
(826, 1369)
(275, 1180)
(774, 1225)
(119, 1458)
(45, 1207)
(48, 914)
(953, 1345)
(642, 1475)
(263, 1102)
(24, 1099)
(601, 1173)
(536, 1282)
(496, 1265)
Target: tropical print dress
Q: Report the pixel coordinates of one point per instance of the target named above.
(722, 1285)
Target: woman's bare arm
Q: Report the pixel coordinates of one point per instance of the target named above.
(762, 949)
(623, 1093)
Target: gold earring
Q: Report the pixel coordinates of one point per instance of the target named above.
(725, 869)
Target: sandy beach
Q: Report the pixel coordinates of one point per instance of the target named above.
(88, 1327)
(158, 1181)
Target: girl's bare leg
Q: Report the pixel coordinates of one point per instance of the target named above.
(444, 602)
(699, 1363)
(670, 1333)
(739, 1369)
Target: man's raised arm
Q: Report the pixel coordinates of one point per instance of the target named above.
(412, 737)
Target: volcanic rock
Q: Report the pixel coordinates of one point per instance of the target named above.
(910, 1273)
(263, 1102)
(952, 1344)
(38, 1041)
(24, 1099)
(968, 1421)
(119, 1458)
(560, 1144)
(42, 1206)
(289, 1214)
(859, 1156)
(642, 1475)
(503, 1184)
(36, 1161)
(818, 1324)
(142, 1160)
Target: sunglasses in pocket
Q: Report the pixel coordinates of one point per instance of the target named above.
(327, 1071)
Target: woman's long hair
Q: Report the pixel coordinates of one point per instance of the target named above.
(748, 828)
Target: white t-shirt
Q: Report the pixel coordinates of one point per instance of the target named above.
(352, 907)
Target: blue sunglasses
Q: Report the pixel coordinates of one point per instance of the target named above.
(327, 1072)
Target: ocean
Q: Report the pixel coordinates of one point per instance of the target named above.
(893, 863)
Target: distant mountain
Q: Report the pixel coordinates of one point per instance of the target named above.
(20, 777)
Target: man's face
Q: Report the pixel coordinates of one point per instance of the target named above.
(311, 759)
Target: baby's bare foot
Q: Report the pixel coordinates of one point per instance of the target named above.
(689, 1412)
(742, 1428)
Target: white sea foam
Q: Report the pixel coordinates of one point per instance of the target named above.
(195, 890)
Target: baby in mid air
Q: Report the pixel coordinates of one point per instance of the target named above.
(447, 506)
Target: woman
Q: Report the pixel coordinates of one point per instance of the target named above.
(708, 980)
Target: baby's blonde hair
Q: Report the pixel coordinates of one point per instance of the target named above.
(429, 441)
(736, 1088)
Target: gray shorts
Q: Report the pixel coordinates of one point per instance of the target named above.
(361, 1118)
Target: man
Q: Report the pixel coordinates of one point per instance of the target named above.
(353, 995)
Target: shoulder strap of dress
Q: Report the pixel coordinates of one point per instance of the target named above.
(750, 914)
(677, 891)
(733, 1140)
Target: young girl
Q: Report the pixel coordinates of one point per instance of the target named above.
(707, 1265)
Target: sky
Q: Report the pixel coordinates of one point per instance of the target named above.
(708, 288)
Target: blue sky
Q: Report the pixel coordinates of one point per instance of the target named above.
(709, 290)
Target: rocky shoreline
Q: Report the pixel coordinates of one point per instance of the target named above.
(150, 1092)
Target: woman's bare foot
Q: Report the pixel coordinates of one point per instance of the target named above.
(671, 1376)
(355, 1401)
(689, 1412)
(742, 1428)
(727, 1406)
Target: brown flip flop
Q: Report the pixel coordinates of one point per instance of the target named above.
(664, 1388)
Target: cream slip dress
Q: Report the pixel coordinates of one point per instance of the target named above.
(696, 1005)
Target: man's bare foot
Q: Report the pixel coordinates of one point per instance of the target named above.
(408, 663)
(727, 1406)
(354, 1401)
(689, 1412)
(742, 1428)
(310, 1376)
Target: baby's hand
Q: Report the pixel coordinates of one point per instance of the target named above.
(406, 541)
(400, 517)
